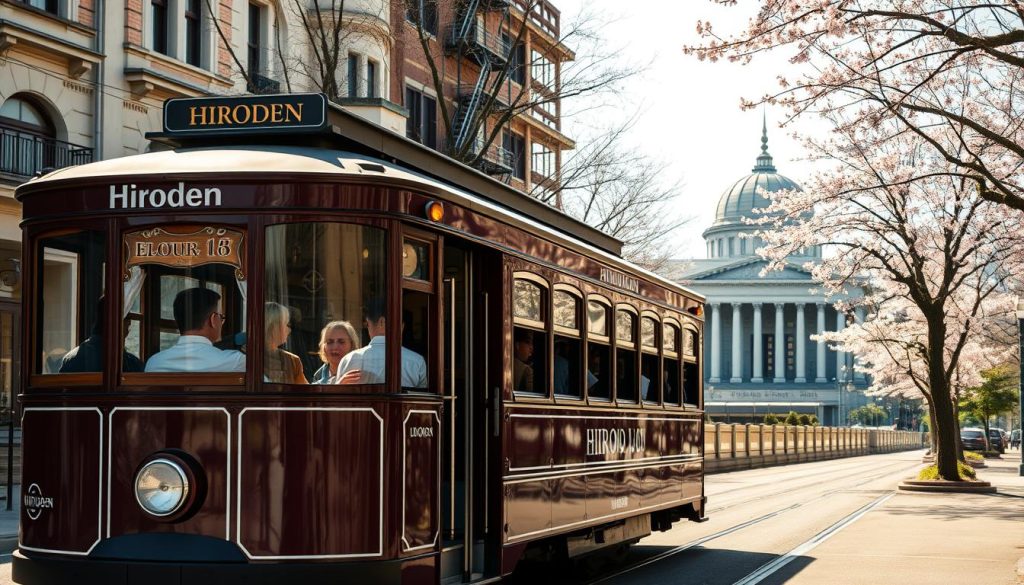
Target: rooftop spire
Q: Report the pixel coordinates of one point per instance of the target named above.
(764, 161)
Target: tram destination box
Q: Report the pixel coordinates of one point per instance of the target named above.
(295, 112)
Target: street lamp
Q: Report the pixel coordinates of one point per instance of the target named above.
(1020, 384)
(1020, 349)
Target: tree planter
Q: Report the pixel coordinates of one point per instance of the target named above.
(943, 486)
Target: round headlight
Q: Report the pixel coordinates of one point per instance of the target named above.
(161, 487)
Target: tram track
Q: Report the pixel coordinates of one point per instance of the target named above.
(804, 474)
(759, 520)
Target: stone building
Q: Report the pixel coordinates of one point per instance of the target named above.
(758, 354)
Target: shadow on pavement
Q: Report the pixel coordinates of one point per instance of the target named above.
(1007, 509)
(699, 565)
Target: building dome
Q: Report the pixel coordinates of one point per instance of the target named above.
(738, 203)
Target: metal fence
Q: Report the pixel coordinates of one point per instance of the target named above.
(25, 154)
(744, 446)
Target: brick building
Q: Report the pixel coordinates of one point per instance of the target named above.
(83, 80)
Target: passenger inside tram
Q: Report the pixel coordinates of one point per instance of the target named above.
(88, 357)
(337, 339)
(198, 316)
(522, 368)
(279, 366)
(366, 364)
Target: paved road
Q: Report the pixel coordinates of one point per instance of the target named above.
(838, 521)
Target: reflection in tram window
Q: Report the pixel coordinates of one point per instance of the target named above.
(691, 385)
(184, 291)
(650, 373)
(598, 352)
(568, 345)
(415, 333)
(69, 319)
(672, 381)
(529, 338)
(625, 355)
(324, 272)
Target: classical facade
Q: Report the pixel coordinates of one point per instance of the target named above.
(759, 356)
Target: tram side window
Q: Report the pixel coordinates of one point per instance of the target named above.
(184, 292)
(691, 369)
(671, 365)
(598, 352)
(70, 316)
(625, 356)
(327, 282)
(529, 339)
(650, 373)
(568, 360)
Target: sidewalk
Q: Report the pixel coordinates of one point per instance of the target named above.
(928, 538)
(9, 520)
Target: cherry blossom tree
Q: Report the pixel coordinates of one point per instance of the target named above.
(917, 234)
(933, 67)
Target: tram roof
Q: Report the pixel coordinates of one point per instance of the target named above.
(338, 148)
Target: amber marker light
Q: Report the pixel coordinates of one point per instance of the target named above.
(435, 211)
(698, 310)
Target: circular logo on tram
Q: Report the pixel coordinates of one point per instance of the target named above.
(35, 502)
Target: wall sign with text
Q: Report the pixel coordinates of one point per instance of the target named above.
(184, 248)
(211, 115)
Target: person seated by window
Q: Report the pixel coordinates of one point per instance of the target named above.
(199, 320)
(337, 339)
(522, 368)
(366, 364)
(88, 357)
(279, 366)
(561, 369)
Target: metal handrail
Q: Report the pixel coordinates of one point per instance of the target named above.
(25, 154)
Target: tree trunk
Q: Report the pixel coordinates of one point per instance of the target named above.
(933, 444)
(942, 400)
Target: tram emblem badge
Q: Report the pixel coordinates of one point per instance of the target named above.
(35, 502)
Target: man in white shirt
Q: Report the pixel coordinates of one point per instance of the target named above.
(366, 364)
(197, 314)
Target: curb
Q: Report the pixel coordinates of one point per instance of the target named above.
(8, 543)
(958, 487)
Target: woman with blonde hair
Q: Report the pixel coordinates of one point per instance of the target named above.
(279, 366)
(337, 339)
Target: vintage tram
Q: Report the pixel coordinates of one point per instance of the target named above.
(184, 423)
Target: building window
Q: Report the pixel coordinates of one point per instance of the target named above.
(543, 160)
(732, 252)
(50, 6)
(353, 75)
(543, 70)
(425, 12)
(255, 40)
(160, 27)
(421, 125)
(371, 79)
(515, 145)
(28, 141)
(517, 60)
(194, 32)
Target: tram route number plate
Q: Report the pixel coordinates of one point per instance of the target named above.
(194, 246)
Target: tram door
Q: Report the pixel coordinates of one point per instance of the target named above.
(470, 544)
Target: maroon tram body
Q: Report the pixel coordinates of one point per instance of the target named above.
(592, 437)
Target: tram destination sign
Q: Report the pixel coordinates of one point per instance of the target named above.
(216, 115)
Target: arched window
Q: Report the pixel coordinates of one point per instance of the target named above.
(568, 360)
(650, 370)
(626, 355)
(529, 335)
(598, 350)
(27, 137)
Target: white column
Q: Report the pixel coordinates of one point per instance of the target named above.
(820, 377)
(780, 346)
(737, 344)
(716, 343)
(859, 376)
(757, 375)
(841, 376)
(801, 345)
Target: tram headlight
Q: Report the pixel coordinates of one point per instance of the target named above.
(161, 487)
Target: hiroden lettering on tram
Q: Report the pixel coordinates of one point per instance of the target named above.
(605, 441)
(129, 197)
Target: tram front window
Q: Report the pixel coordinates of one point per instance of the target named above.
(70, 310)
(184, 299)
(324, 283)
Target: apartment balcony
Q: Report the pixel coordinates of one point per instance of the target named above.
(23, 154)
(464, 94)
(479, 44)
(496, 160)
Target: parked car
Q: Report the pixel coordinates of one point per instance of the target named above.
(995, 438)
(973, 439)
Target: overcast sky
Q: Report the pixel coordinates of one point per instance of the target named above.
(689, 111)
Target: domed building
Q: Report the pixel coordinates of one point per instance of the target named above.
(758, 354)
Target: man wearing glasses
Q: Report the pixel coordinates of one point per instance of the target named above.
(197, 314)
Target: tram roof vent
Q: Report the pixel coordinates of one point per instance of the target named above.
(372, 167)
